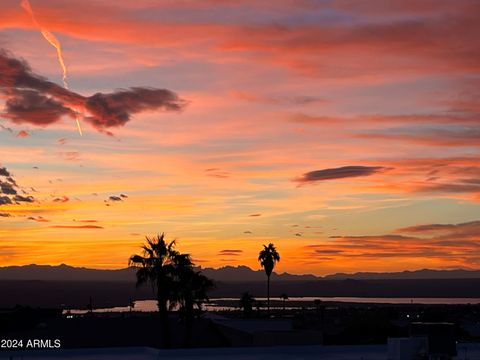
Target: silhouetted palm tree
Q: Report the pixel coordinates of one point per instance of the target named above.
(191, 289)
(284, 297)
(246, 303)
(268, 257)
(175, 280)
(156, 266)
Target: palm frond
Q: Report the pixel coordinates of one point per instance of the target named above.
(171, 274)
(136, 260)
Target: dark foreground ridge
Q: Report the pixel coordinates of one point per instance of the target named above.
(76, 294)
(326, 323)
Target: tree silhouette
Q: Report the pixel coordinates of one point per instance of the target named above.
(268, 257)
(173, 277)
(246, 303)
(191, 290)
(156, 266)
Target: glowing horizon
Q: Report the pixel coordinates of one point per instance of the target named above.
(346, 134)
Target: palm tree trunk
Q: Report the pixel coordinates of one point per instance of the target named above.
(268, 294)
(162, 308)
(189, 319)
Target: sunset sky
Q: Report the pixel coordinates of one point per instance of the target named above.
(345, 132)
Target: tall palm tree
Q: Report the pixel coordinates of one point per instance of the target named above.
(268, 257)
(156, 265)
(173, 277)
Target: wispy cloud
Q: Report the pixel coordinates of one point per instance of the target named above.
(9, 190)
(230, 252)
(338, 173)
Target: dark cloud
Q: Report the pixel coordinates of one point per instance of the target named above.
(17, 75)
(20, 198)
(255, 215)
(7, 188)
(5, 215)
(61, 199)
(38, 219)
(123, 196)
(114, 198)
(339, 173)
(4, 172)
(115, 109)
(328, 251)
(5, 200)
(230, 252)
(76, 227)
(35, 100)
(30, 106)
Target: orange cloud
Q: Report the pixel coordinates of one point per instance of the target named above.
(22, 134)
(437, 43)
(76, 227)
(446, 244)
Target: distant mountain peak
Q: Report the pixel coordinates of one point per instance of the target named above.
(409, 274)
(227, 273)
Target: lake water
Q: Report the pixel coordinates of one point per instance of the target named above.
(215, 304)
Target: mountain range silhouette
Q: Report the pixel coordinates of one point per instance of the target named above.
(241, 273)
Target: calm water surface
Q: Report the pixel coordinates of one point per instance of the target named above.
(151, 305)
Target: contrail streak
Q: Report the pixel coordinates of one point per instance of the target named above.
(58, 47)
